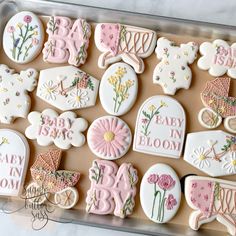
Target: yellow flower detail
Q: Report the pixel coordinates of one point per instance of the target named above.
(151, 108)
(36, 33)
(121, 88)
(5, 140)
(202, 157)
(19, 25)
(112, 80)
(211, 101)
(233, 162)
(120, 72)
(50, 185)
(163, 104)
(222, 109)
(129, 83)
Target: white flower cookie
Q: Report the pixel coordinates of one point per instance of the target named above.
(63, 130)
(14, 98)
(23, 37)
(218, 58)
(173, 72)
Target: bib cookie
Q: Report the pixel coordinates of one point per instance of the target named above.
(14, 99)
(23, 37)
(64, 130)
(160, 193)
(14, 157)
(160, 127)
(173, 72)
(67, 88)
(118, 89)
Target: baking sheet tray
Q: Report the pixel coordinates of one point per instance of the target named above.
(80, 159)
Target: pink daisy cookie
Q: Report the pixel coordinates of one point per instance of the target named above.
(109, 137)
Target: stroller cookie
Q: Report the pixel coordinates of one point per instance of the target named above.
(112, 189)
(109, 137)
(218, 58)
(213, 152)
(14, 100)
(64, 130)
(218, 105)
(47, 179)
(211, 199)
(67, 88)
(67, 41)
(23, 37)
(14, 157)
(118, 89)
(173, 72)
(160, 127)
(129, 43)
(160, 193)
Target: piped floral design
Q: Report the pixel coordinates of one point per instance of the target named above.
(49, 90)
(229, 163)
(78, 98)
(200, 157)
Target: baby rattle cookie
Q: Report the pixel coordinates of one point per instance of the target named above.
(109, 137)
(118, 89)
(112, 189)
(14, 99)
(23, 37)
(67, 41)
(67, 88)
(218, 58)
(64, 130)
(173, 72)
(160, 193)
(14, 157)
(123, 42)
(160, 127)
(211, 199)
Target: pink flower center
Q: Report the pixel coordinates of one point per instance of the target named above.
(109, 136)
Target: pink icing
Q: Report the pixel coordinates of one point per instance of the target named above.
(201, 195)
(67, 41)
(110, 36)
(111, 188)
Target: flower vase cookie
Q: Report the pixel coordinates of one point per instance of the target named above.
(23, 37)
(160, 193)
(173, 72)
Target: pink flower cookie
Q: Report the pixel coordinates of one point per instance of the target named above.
(109, 137)
(112, 189)
(160, 193)
(211, 199)
(125, 42)
(67, 41)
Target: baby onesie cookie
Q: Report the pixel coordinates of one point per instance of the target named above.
(64, 130)
(218, 104)
(173, 72)
(160, 193)
(109, 137)
(23, 37)
(47, 179)
(211, 199)
(67, 88)
(14, 157)
(124, 42)
(67, 41)
(213, 152)
(218, 58)
(160, 127)
(112, 189)
(118, 89)
(14, 99)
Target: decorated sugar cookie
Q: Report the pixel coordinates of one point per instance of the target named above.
(64, 130)
(14, 99)
(160, 193)
(160, 127)
(23, 37)
(14, 157)
(109, 137)
(218, 104)
(47, 179)
(67, 41)
(218, 58)
(211, 199)
(129, 43)
(213, 152)
(173, 72)
(112, 189)
(67, 88)
(118, 89)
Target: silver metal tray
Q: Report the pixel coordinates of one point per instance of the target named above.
(95, 14)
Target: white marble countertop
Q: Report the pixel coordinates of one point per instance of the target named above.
(216, 11)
